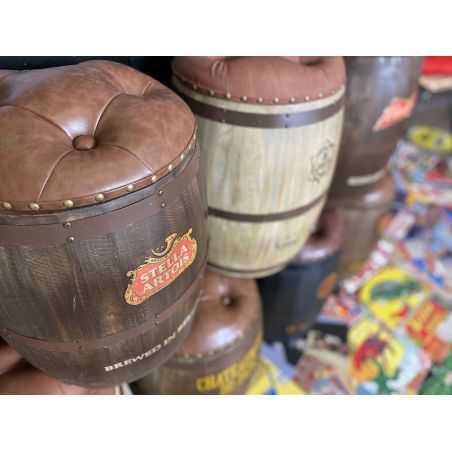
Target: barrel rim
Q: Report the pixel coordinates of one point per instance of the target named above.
(57, 229)
(114, 199)
(263, 120)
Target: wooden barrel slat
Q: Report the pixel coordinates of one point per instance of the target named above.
(362, 216)
(264, 171)
(75, 284)
(381, 94)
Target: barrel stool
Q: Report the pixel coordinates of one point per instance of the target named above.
(269, 130)
(103, 221)
(363, 216)
(222, 351)
(381, 94)
(293, 298)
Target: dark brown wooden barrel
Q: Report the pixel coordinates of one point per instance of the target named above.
(381, 94)
(293, 298)
(269, 131)
(363, 216)
(222, 351)
(103, 218)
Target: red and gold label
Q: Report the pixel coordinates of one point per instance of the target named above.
(399, 109)
(161, 268)
(423, 328)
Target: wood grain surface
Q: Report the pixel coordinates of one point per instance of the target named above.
(362, 216)
(376, 87)
(262, 171)
(63, 305)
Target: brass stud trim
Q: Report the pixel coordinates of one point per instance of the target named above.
(320, 94)
(260, 100)
(154, 178)
(7, 205)
(212, 92)
(170, 167)
(276, 100)
(182, 156)
(130, 187)
(68, 203)
(163, 204)
(100, 197)
(70, 239)
(306, 98)
(34, 206)
(244, 98)
(228, 95)
(160, 192)
(292, 100)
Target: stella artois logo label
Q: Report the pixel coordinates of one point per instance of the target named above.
(398, 110)
(161, 268)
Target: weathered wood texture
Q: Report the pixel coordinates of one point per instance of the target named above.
(381, 93)
(63, 307)
(264, 171)
(362, 216)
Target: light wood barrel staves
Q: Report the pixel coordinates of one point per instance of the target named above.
(269, 168)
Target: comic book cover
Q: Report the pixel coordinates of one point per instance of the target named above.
(323, 365)
(427, 249)
(274, 373)
(378, 259)
(391, 295)
(424, 177)
(340, 308)
(382, 362)
(430, 326)
(320, 376)
(439, 381)
(268, 380)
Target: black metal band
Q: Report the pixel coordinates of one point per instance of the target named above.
(263, 218)
(263, 120)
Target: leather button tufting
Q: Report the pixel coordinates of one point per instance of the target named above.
(93, 131)
(84, 142)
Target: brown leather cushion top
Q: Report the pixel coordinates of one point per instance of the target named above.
(228, 309)
(72, 132)
(263, 79)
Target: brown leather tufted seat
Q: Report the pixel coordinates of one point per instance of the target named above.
(100, 181)
(227, 309)
(220, 354)
(76, 135)
(240, 78)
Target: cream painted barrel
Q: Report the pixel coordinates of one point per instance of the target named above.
(269, 168)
